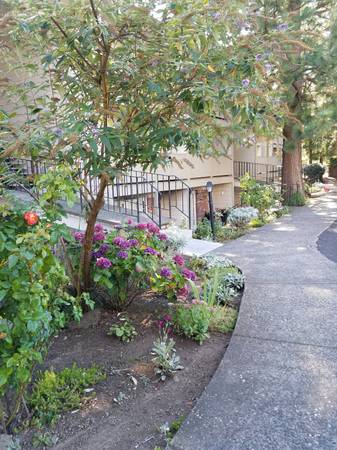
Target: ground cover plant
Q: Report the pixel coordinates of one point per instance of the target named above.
(56, 392)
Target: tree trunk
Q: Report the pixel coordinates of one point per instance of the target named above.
(95, 208)
(292, 180)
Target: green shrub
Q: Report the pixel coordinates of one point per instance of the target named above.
(227, 234)
(34, 303)
(260, 196)
(125, 331)
(204, 229)
(57, 392)
(258, 222)
(296, 199)
(193, 320)
(314, 172)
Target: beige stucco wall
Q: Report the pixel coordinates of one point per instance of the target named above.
(262, 152)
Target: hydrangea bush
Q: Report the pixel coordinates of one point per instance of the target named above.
(132, 258)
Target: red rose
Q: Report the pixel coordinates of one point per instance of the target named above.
(31, 218)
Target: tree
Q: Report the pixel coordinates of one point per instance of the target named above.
(307, 75)
(120, 83)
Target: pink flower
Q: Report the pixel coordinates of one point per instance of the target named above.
(98, 228)
(129, 221)
(103, 263)
(179, 260)
(184, 291)
(141, 226)
(99, 236)
(78, 236)
(153, 228)
(162, 237)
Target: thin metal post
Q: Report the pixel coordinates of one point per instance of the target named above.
(211, 212)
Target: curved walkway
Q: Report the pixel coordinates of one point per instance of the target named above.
(276, 388)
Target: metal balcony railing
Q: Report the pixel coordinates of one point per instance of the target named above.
(266, 173)
(159, 198)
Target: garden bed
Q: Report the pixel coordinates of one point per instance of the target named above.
(131, 407)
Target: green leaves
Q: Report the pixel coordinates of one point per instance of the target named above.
(33, 302)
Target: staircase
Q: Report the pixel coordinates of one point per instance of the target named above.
(144, 196)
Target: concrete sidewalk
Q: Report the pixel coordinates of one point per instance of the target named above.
(276, 388)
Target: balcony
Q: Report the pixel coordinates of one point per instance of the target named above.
(265, 173)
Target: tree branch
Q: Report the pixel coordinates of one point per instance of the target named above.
(78, 51)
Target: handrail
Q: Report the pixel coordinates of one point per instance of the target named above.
(133, 193)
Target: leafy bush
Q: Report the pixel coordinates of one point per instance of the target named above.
(296, 199)
(260, 196)
(57, 392)
(204, 229)
(125, 331)
(224, 234)
(166, 360)
(192, 319)
(131, 259)
(33, 301)
(240, 217)
(314, 172)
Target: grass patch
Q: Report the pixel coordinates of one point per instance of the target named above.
(223, 319)
(58, 392)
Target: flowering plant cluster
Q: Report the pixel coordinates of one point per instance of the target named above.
(132, 258)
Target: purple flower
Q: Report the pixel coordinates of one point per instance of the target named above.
(258, 57)
(99, 228)
(165, 324)
(78, 236)
(179, 260)
(141, 226)
(153, 228)
(282, 27)
(58, 132)
(245, 82)
(121, 242)
(122, 254)
(165, 272)
(189, 274)
(132, 242)
(129, 222)
(268, 68)
(150, 251)
(103, 263)
(99, 236)
(162, 237)
(101, 251)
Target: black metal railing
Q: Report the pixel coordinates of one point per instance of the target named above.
(266, 173)
(142, 195)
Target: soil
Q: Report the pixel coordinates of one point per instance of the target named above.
(131, 404)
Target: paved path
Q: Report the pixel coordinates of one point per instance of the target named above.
(276, 388)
